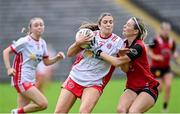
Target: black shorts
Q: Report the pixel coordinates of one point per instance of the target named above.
(160, 72)
(151, 91)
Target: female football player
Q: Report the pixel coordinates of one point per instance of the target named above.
(89, 75)
(160, 53)
(141, 88)
(29, 51)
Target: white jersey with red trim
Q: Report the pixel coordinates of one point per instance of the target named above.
(90, 71)
(28, 53)
(41, 67)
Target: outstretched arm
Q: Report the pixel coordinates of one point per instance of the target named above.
(49, 61)
(134, 52)
(115, 61)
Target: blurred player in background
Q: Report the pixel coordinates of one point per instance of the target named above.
(89, 75)
(29, 51)
(141, 88)
(44, 73)
(160, 52)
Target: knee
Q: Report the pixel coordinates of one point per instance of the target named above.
(121, 109)
(168, 86)
(43, 105)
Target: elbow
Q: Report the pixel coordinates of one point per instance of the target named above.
(45, 63)
(5, 51)
(69, 55)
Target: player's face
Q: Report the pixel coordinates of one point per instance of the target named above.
(128, 29)
(165, 30)
(106, 25)
(37, 27)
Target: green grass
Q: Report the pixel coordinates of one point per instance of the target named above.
(107, 103)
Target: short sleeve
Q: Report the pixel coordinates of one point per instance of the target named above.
(18, 45)
(135, 52)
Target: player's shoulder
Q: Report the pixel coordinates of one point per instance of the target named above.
(42, 41)
(140, 44)
(22, 40)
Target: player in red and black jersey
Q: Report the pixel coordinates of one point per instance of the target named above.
(160, 52)
(141, 88)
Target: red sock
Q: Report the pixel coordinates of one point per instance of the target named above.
(20, 110)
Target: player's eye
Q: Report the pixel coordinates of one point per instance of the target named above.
(36, 25)
(111, 22)
(41, 24)
(105, 22)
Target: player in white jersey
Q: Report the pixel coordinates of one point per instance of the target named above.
(44, 73)
(89, 75)
(29, 51)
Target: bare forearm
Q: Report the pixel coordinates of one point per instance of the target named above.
(51, 61)
(6, 53)
(115, 61)
(59, 56)
(73, 50)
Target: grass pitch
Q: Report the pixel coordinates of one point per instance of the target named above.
(107, 103)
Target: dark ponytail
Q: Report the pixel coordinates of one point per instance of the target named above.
(91, 26)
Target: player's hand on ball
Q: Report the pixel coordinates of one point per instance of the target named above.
(84, 38)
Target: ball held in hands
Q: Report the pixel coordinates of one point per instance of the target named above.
(88, 33)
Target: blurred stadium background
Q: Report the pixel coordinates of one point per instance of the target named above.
(63, 17)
